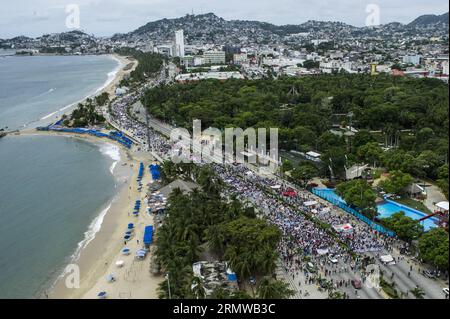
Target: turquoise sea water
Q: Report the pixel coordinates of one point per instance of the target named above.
(51, 188)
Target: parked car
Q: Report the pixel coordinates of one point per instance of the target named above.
(332, 259)
(356, 284)
(311, 268)
(429, 274)
(445, 290)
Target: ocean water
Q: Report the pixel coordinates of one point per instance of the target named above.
(54, 191)
(34, 90)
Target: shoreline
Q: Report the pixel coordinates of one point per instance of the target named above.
(102, 243)
(114, 78)
(121, 174)
(86, 256)
(96, 258)
(103, 238)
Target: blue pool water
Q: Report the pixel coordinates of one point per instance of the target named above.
(388, 208)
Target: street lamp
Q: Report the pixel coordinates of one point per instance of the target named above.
(168, 285)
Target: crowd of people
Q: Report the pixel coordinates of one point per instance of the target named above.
(121, 116)
(282, 211)
(302, 236)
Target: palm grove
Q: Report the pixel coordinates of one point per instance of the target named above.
(205, 220)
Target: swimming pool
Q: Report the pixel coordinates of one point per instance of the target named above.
(388, 208)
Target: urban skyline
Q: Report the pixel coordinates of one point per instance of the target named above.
(105, 19)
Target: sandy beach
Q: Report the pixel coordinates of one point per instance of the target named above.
(97, 259)
(126, 65)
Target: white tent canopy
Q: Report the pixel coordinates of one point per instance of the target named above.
(322, 251)
(313, 154)
(443, 205)
(343, 228)
(387, 259)
(310, 203)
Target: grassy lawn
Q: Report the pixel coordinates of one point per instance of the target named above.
(414, 204)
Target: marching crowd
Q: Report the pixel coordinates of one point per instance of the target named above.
(301, 234)
(119, 111)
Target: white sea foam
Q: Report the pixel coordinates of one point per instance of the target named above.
(46, 92)
(89, 236)
(49, 115)
(110, 78)
(113, 151)
(111, 75)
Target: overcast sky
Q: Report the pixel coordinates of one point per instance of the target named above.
(106, 17)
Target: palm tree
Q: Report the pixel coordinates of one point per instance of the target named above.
(235, 208)
(216, 239)
(418, 292)
(244, 265)
(168, 172)
(198, 288)
(273, 289)
(211, 185)
(220, 293)
(335, 295)
(266, 260)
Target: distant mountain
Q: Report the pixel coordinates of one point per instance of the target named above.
(209, 28)
(213, 29)
(430, 20)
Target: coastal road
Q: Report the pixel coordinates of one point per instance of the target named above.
(403, 283)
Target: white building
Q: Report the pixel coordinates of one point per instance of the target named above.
(179, 44)
(214, 57)
(445, 68)
(189, 77)
(240, 58)
(164, 50)
(412, 59)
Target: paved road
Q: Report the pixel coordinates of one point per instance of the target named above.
(434, 195)
(404, 283)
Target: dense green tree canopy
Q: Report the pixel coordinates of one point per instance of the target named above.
(433, 247)
(370, 153)
(396, 183)
(273, 289)
(409, 113)
(304, 173)
(359, 193)
(250, 246)
(405, 227)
